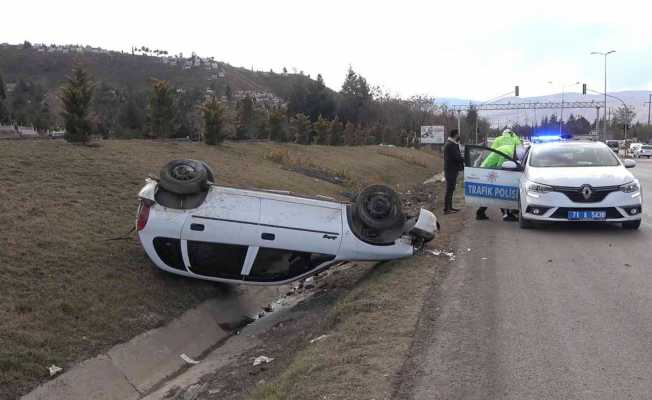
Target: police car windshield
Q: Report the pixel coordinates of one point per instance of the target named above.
(572, 155)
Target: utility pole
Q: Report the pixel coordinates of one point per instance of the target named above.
(605, 86)
(649, 108)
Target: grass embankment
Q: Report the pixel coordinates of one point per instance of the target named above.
(68, 292)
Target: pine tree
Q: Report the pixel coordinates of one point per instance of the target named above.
(349, 134)
(276, 123)
(161, 109)
(76, 95)
(214, 113)
(322, 130)
(301, 129)
(335, 137)
(355, 98)
(245, 110)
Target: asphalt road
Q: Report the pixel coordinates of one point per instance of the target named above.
(562, 312)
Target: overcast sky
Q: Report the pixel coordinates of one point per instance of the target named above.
(460, 49)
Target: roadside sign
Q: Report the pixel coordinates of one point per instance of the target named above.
(432, 134)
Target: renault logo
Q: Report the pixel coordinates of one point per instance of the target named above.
(586, 192)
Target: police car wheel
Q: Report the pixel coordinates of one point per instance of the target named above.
(523, 222)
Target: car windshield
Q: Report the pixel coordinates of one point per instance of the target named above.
(573, 156)
(647, 147)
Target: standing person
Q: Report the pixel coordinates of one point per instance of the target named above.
(453, 164)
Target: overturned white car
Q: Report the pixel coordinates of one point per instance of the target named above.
(192, 227)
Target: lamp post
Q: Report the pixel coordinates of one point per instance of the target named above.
(604, 132)
(627, 112)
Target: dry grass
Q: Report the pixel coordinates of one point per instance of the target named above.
(422, 159)
(68, 292)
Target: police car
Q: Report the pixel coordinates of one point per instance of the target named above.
(554, 182)
(190, 226)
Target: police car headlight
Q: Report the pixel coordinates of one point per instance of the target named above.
(534, 187)
(631, 187)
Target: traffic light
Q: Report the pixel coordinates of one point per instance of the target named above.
(584, 88)
(516, 91)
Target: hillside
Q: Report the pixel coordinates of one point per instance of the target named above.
(50, 67)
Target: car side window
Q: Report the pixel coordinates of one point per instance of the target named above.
(278, 264)
(486, 158)
(216, 259)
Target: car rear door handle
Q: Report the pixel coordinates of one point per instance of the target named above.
(197, 227)
(268, 236)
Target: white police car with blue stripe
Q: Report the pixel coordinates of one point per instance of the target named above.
(554, 182)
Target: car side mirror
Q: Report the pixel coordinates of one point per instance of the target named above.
(629, 163)
(509, 165)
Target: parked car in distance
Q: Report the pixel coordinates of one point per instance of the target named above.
(644, 150)
(190, 226)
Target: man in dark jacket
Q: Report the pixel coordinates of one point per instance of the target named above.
(453, 164)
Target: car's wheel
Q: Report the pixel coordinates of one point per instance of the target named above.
(632, 225)
(184, 176)
(523, 222)
(379, 207)
(210, 176)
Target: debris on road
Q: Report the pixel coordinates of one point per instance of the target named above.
(449, 254)
(309, 283)
(318, 338)
(262, 359)
(54, 370)
(187, 359)
(484, 258)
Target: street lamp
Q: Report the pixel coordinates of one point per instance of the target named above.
(604, 117)
(561, 111)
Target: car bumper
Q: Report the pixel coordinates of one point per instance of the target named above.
(554, 207)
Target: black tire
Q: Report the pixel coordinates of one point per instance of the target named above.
(184, 177)
(523, 222)
(379, 207)
(210, 176)
(632, 225)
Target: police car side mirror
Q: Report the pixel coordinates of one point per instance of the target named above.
(629, 163)
(509, 165)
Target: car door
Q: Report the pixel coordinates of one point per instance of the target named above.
(296, 237)
(490, 186)
(217, 240)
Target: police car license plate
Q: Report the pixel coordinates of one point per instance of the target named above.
(587, 215)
